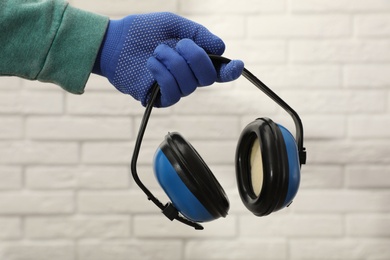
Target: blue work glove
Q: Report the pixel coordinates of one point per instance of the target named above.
(141, 49)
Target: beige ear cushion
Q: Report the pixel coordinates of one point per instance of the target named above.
(256, 164)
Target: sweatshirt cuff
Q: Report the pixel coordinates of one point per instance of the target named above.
(74, 49)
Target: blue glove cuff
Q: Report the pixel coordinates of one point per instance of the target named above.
(111, 47)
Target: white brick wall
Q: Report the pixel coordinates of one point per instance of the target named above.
(65, 189)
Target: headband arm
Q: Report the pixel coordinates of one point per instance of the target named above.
(168, 209)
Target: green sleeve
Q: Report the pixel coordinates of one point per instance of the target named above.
(49, 41)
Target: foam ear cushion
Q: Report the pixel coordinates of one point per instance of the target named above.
(274, 193)
(188, 181)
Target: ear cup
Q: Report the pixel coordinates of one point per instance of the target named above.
(188, 181)
(294, 166)
(278, 155)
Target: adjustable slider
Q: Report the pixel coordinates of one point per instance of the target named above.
(170, 211)
(302, 156)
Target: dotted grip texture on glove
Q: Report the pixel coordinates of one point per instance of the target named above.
(141, 49)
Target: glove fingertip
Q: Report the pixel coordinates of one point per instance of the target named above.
(230, 71)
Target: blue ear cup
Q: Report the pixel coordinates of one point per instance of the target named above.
(280, 167)
(188, 182)
(293, 164)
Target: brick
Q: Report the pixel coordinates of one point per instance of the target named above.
(114, 202)
(346, 51)
(282, 26)
(11, 228)
(292, 226)
(100, 177)
(10, 103)
(78, 128)
(108, 153)
(43, 177)
(247, 249)
(368, 76)
(77, 227)
(368, 225)
(36, 203)
(125, 7)
(258, 51)
(336, 103)
(372, 25)
(340, 6)
(352, 152)
(367, 176)
(158, 226)
(11, 127)
(226, 27)
(340, 249)
(37, 251)
(39, 86)
(85, 177)
(368, 126)
(135, 249)
(11, 177)
(31, 102)
(231, 7)
(219, 102)
(10, 83)
(324, 126)
(194, 127)
(321, 176)
(26, 152)
(107, 104)
(43, 103)
(316, 77)
(341, 201)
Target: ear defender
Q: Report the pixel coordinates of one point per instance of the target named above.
(268, 160)
(267, 167)
(188, 181)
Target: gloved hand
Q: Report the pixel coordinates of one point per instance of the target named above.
(141, 49)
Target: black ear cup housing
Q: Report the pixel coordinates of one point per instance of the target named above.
(191, 185)
(280, 167)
